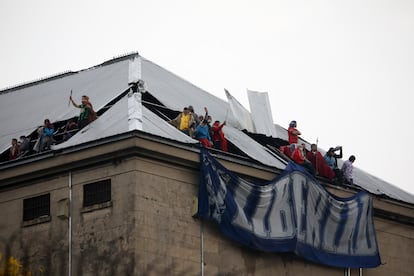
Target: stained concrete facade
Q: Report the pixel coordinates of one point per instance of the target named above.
(147, 228)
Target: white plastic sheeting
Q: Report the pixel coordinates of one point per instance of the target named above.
(261, 113)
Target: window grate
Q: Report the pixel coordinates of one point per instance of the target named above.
(97, 192)
(36, 207)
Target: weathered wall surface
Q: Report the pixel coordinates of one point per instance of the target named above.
(396, 244)
(102, 239)
(149, 230)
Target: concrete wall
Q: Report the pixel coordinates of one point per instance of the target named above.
(149, 230)
(102, 239)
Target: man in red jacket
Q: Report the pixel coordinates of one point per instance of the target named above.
(293, 133)
(219, 140)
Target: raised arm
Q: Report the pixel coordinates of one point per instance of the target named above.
(73, 102)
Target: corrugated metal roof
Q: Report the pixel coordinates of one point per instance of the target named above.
(49, 99)
(252, 148)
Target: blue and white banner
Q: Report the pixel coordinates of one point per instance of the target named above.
(292, 213)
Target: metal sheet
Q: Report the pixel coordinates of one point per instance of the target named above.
(261, 113)
(252, 148)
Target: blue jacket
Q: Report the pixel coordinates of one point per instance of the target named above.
(48, 131)
(202, 132)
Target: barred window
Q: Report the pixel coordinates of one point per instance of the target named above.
(36, 207)
(97, 192)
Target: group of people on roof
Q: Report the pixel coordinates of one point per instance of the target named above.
(200, 128)
(313, 161)
(46, 133)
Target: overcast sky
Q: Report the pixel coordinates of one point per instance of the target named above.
(342, 69)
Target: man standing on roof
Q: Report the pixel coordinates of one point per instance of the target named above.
(293, 133)
(347, 169)
(87, 114)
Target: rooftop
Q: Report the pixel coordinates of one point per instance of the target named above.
(163, 96)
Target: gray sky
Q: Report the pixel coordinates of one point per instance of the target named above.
(342, 69)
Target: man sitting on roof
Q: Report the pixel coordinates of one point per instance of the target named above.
(298, 156)
(316, 158)
(24, 145)
(87, 114)
(14, 149)
(330, 159)
(46, 138)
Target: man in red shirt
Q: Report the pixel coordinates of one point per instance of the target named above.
(219, 140)
(293, 133)
(299, 157)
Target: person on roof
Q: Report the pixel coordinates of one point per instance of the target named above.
(197, 119)
(195, 116)
(70, 127)
(331, 160)
(203, 135)
(299, 156)
(24, 145)
(46, 138)
(293, 133)
(87, 114)
(219, 140)
(316, 158)
(14, 149)
(347, 170)
(184, 121)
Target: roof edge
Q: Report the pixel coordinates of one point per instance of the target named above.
(60, 75)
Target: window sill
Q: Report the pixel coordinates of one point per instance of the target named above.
(96, 207)
(39, 220)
